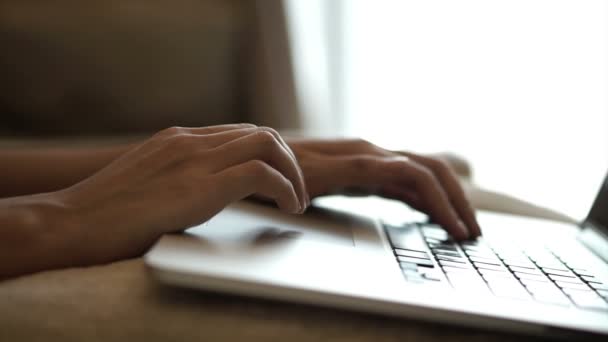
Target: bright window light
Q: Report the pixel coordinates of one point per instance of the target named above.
(518, 87)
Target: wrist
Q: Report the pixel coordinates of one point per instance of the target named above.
(31, 233)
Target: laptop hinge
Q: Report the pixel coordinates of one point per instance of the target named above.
(595, 239)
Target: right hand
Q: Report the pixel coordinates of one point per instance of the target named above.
(179, 178)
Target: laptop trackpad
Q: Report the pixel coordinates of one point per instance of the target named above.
(254, 224)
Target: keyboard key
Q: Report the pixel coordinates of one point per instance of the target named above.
(468, 283)
(434, 232)
(408, 266)
(485, 266)
(525, 270)
(472, 243)
(519, 263)
(480, 250)
(556, 298)
(417, 261)
(575, 292)
(536, 282)
(591, 279)
(453, 254)
(539, 277)
(589, 301)
(566, 273)
(447, 258)
(580, 286)
(576, 263)
(441, 243)
(488, 261)
(582, 272)
(466, 270)
(545, 259)
(431, 240)
(509, 290)
(540, 287)
(448, 249)
(599, 286)
(499, 277)
(482, 256)
(564, 279)
(484, 271)
(511, 254)
(454, 264)
(432, 275)
(413, 254)
(413, 277)
(557, 265)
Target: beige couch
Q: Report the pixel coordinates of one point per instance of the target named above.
(124, 66)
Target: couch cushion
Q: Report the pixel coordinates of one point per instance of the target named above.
(121, 65)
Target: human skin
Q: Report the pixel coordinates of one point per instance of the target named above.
(74, 207)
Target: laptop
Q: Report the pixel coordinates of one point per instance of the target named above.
(524, 275)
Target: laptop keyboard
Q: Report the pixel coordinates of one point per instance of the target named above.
(427, 255)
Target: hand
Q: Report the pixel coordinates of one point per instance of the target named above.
(178, 178)
(425, 183)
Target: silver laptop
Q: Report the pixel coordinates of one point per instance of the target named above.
(525, 275)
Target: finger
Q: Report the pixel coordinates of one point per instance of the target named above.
(171, 131)
(342, 147)
(256, 177)
(220, 138)
(432, 196)
(374, 172)
(177, 138)
(215, 136)
(261, 145)
(452, 187)
(181, 142)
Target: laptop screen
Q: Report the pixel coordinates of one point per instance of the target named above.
(599, 211)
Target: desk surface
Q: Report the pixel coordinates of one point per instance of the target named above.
(120, 301)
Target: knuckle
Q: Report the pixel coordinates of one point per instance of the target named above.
(179, 141)
(171, 131)
(270, 130)
(440, 166)
(247, 125)
(424, 176)
(362, 144)
(266, 138)
(397, 166)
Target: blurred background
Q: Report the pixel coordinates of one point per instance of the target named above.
(518, 88)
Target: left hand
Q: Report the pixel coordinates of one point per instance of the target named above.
(426, 183)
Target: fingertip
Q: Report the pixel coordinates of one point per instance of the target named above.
(477, 230)
(304, 203)
(462, 231)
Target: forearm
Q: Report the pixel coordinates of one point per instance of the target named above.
(32, 235)
(38, 170)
